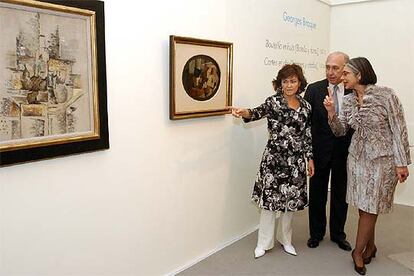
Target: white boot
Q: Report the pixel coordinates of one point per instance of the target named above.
(259, 252)
(289, 249)
(284, 233)
(265, 238)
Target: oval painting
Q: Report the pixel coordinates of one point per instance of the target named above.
(201, 77)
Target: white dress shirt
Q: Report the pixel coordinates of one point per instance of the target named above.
(341, 92)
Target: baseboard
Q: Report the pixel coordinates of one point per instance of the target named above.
(405, 203)
(200, 258)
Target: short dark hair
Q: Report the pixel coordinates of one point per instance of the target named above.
(364, 67)
(287, 71)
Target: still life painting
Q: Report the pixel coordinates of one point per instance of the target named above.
(200, 77)
(48, 75)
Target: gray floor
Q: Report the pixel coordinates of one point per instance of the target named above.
(395, 234)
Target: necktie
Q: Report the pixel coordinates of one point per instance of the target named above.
(335, 98)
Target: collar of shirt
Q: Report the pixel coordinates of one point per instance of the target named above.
(340, 86)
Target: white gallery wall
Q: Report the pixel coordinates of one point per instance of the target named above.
(383, 32)
(167, 193)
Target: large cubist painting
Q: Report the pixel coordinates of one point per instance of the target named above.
(200, 77)
(52, 93)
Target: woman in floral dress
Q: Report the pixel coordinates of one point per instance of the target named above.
(280, 186)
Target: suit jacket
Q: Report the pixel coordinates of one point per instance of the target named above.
(324, 142)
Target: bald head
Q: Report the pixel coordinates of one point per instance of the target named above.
(339, 54)
(335, 63)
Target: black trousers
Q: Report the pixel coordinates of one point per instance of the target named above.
(318, 192)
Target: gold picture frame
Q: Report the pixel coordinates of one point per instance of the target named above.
(53, 79)
(201, 74)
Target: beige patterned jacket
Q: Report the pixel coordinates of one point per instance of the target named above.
(379, 124)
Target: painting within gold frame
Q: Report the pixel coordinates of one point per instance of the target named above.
(50, 92)
(200, 77)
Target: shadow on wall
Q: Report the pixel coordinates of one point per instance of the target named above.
(245, 153)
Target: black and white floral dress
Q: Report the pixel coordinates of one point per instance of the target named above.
(281, 181)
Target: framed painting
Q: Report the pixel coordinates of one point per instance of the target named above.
(52, 79)
(200, 77)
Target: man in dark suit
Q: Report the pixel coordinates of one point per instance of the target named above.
(330, 155)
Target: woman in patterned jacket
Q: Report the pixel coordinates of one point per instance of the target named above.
(280, 186)
(379, 152)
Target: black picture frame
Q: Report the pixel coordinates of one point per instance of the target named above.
(73, 146)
